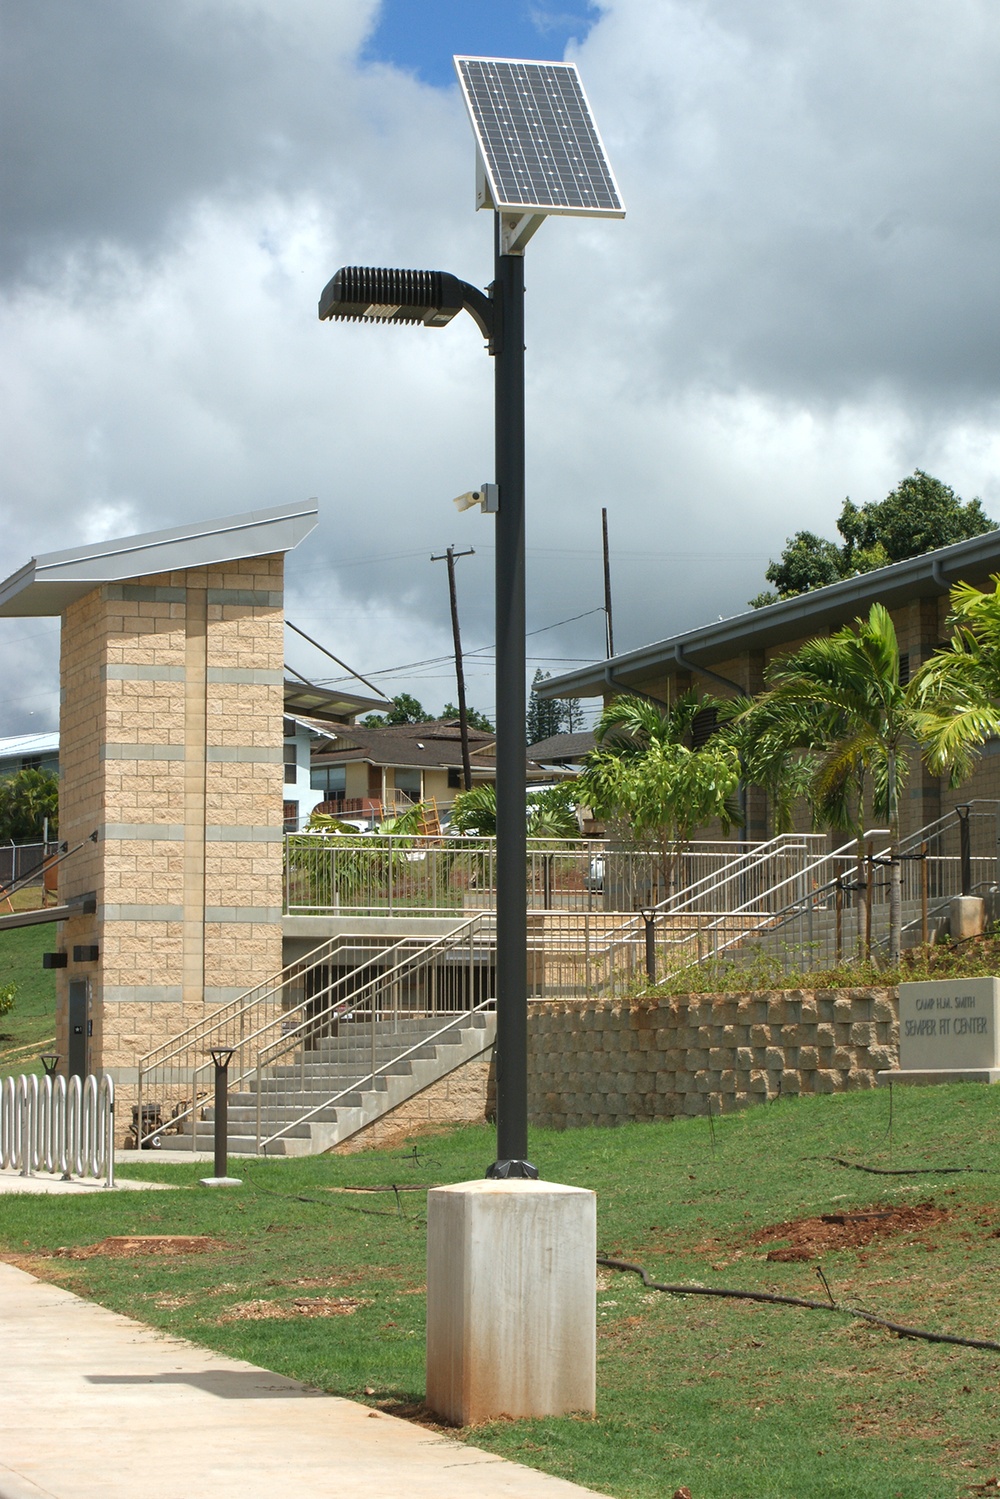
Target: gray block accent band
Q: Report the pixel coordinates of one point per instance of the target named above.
(243, 835)
(265, 915)
(133, 671)
(151, 832)
(144, 593)
(138, 994)
(254, 598)
(223, 994)
(249, 676)
(142, 913)
(142, 752)
(245, 754)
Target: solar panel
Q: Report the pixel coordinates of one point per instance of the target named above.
(537, 139)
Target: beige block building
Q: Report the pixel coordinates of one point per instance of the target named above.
(171, 784)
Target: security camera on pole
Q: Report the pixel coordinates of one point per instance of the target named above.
(511, 1259)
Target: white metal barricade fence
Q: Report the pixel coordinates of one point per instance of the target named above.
(54, 1126)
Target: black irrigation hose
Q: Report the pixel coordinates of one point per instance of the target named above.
(911, 1171)
(773, 1299)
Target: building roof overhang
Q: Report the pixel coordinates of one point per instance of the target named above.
(47, 584)
(305, 700)
(927, 576)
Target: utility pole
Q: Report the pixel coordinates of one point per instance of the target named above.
(463, 716)
(609, 628)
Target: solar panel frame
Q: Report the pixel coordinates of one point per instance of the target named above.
(539, 146)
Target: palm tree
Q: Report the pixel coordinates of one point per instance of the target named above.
(959, 687)
(842, 698)
(550, 812)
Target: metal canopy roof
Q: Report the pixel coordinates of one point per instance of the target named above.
(53, 580)
(539, 148)
(326, 702)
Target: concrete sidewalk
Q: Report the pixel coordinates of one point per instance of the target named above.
(95, 1406)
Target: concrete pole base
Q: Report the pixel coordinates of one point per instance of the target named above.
(220, 1181)
(511, 1300)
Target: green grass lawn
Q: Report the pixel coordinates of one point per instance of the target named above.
(730, 1399)
(30, 1025)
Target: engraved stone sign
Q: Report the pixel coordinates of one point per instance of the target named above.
(950, 1025)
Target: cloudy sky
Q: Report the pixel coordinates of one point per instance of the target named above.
(802, 303)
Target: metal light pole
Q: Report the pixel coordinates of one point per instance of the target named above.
(538, 153)
(512, 846)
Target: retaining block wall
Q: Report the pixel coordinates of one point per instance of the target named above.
(595, 1061)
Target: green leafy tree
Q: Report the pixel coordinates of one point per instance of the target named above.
(842, 698)
(918, 516)
(645, 772)
(405, 709)
(8, 994)
(544, 717)
(807, 562)
(476, 719)
(27, 798)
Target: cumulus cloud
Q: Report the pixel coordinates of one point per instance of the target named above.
(801, 304)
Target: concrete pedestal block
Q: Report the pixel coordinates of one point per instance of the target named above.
(966, 917)
(511, 1300)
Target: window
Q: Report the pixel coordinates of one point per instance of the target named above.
(904, 668)
(408, 781)
(291, 817)
(329, 778)
(455, 779)
(31, 762)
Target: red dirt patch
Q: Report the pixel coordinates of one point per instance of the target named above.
(808, 1238)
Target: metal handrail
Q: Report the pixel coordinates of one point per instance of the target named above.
(312, 1019)
(375, 1072)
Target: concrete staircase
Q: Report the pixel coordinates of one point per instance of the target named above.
(323, 1096)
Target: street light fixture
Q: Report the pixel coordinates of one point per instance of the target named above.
(538, 153)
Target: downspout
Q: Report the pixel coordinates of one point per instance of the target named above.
(687, 664)
(611, 680)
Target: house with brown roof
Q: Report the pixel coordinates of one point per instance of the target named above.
(383, 770)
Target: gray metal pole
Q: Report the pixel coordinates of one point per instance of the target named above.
(512, 850)
(609, 628)
(221, 1167)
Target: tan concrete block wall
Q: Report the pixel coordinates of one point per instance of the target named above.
(137, 671)
(608, 1061)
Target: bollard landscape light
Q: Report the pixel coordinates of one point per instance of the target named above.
(649, 917)
(221, 1056)
(50, 1061)
(538, 153)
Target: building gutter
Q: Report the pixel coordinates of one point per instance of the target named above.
(806, 613)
